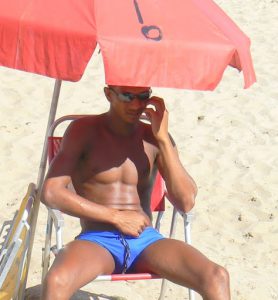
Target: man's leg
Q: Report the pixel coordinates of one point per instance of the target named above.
(76, 265)
(184, 265)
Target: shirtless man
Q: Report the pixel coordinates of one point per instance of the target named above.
(111, 159)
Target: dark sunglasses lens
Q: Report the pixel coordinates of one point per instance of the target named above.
(144, 96)
(126, 97)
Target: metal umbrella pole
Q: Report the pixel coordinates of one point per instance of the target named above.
(41, 174)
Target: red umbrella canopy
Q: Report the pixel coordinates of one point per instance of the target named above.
(169, 43)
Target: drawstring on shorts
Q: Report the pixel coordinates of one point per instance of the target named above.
(127, 252)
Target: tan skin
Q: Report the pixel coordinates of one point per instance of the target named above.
(112, 165)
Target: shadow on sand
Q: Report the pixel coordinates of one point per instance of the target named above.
(33, 293)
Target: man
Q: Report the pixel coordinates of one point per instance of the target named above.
(111, 160)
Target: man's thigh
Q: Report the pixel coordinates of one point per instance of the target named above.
(81, 261)
(175, 261)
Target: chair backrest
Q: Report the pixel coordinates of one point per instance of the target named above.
(54, 143)
(15, 247)
(21, 215)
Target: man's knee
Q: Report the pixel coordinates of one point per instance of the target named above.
(57, 281)
(216, 277)
(221, 275)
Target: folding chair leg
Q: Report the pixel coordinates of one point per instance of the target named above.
(173, 223)
(163, 289)
(46, 250)
(158, 220)
(171, 235)
(187, 218)
(191, 294)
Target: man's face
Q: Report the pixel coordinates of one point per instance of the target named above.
(128, 102)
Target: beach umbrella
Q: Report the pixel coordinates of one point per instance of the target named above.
(170, 43)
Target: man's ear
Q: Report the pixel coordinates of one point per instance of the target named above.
(107, 93)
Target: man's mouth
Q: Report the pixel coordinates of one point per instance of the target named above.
(134, 114)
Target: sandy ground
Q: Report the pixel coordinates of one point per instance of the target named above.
(227, 139)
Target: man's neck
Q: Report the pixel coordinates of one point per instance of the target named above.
(118, 126)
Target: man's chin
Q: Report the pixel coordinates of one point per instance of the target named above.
(133, 118)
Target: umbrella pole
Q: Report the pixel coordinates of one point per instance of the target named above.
(51, 119)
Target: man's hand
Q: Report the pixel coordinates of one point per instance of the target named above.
(131, 222)
(158, 117)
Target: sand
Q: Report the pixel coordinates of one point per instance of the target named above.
(227, 139)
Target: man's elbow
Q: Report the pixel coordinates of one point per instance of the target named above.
(187, 204)
(188, 200)
(48, 194)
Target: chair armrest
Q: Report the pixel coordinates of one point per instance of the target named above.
(188, 217)
(57, 218)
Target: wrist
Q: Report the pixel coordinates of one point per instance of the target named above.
(113, 216)
(163, 141)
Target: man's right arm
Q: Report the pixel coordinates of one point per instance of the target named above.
(55, 190)
(57, 195)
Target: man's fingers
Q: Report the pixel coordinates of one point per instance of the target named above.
(134, 222)
(149, 112)
(158, 107)
(157, 102)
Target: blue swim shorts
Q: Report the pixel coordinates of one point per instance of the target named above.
(125, 249)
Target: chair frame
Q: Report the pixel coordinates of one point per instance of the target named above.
(55, 220)
(17, 239)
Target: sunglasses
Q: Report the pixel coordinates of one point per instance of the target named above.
(128, 97)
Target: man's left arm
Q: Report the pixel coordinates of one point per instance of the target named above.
(181, 187)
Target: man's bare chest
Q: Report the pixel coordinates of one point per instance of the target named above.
(109, 161)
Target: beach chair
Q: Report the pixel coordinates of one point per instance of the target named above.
(55, 218)
(13, 263)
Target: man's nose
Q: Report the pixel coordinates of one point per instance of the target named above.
(136, 103)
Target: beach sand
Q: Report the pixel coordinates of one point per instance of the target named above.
(227, 140)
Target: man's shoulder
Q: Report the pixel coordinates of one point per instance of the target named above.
(81, 128)
(85, 123)
(87, 120)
